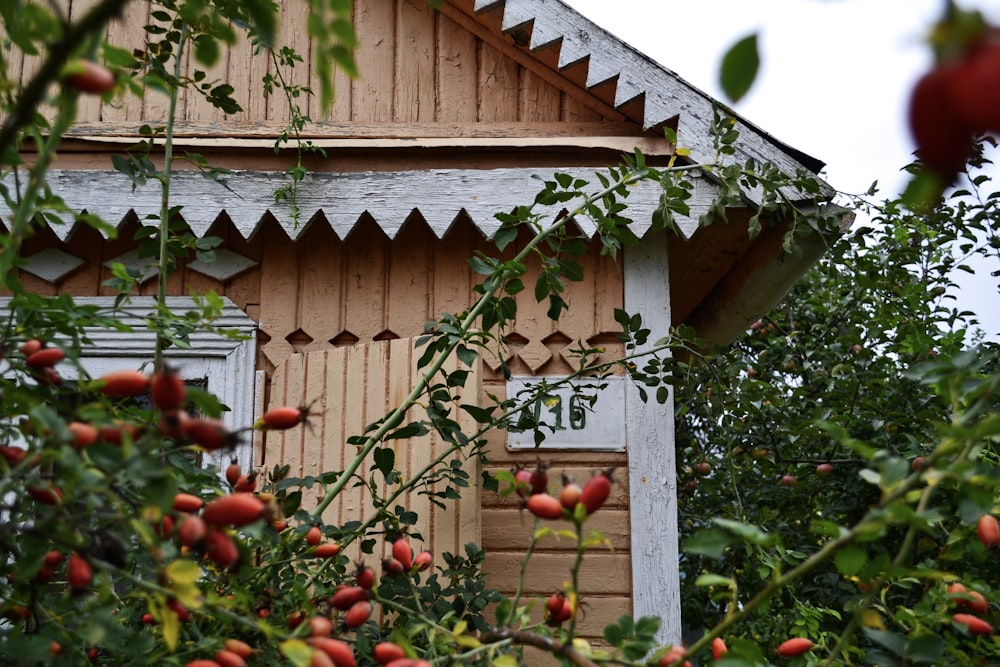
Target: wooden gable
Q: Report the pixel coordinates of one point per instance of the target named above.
(422, 72)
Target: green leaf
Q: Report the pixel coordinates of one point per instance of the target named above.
(161, 491)
(385, 460)
(613, 635)
(928, 649)
(541, 287)
(502, 611)
(505, 660)
(411, 430)
(171, 627)
(850, 560)
(297, 651)
(714, 580)
(183, 572)
(711, 542)
(647, 626)
(733, 660)
(750, 533)
(504, 236)
(265, 19)
(923, 192)
(290, 505)
(635, 651)
(571, 269)
(466, 355)
(118, 57)
(481, 267)
(206, 50)
(896, 644)
(481, 415)
(739, 68)
(556, 306)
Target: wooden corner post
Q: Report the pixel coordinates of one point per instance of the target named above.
(650, 445)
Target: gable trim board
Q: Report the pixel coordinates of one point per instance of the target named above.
(389, 197)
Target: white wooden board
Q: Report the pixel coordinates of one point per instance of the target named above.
(573, 422)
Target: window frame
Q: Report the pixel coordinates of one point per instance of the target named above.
(226, 364)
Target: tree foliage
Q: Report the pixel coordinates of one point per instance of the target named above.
(867, 364)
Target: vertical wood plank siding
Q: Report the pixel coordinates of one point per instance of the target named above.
(416, 65)
(349, 387)
(323, 302)
(316, 298)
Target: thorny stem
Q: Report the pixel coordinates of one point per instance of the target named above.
(575, 579)
(396, 416)
(524, 565)
(168, 157)
(525, 638)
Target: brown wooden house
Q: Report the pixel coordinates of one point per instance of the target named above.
(453, 112)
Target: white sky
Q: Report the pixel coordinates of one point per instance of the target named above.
(834, 80)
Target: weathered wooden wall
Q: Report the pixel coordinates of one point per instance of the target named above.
(416, 66)
(422, 74)
(321, 294)
(347, 388)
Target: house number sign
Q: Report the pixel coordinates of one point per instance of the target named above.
(569, 420)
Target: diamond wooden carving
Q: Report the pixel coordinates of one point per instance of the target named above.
(226, 266)
(52, 264)
(145, 267)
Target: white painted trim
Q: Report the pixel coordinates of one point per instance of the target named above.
(440, 195)
(226, 363)
(597, 427)
(259, 389)
(650, 441)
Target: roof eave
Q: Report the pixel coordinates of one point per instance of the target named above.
(759, 281)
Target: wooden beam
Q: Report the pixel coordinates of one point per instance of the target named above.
(761, 277)
(342, 197)
(651, 459)
(334, 130)
(648, 145)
